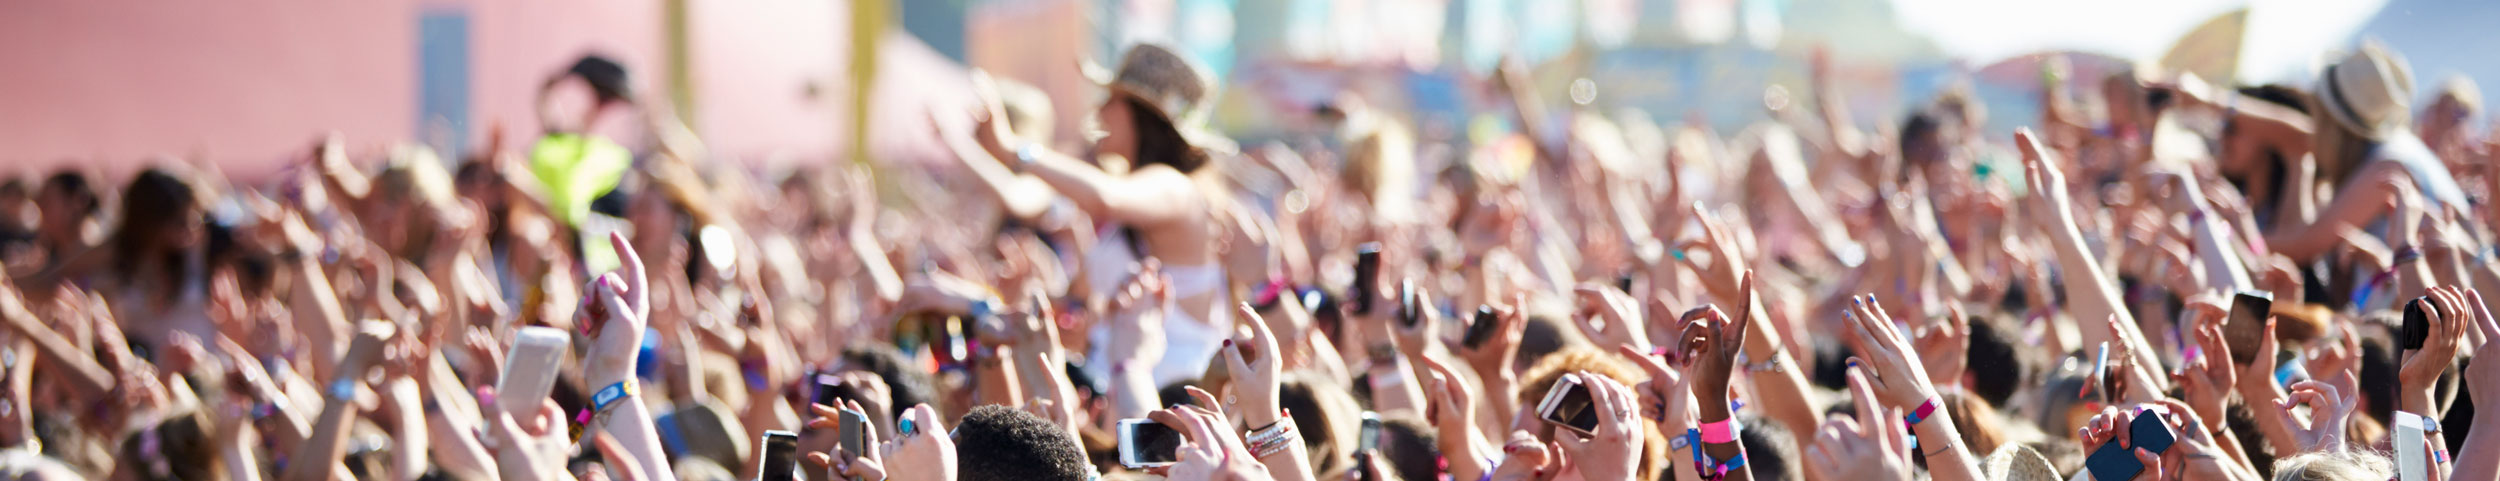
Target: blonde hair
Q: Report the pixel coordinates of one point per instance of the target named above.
(1380, 164)
(2342, 464)
(1578, 357)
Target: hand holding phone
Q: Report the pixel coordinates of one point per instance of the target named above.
(1568, 405)
(779, 460)
(1366, 278)
(2139, 428)
(529, 370)
(2247, 324)
(1146, 444)
(1480, 328)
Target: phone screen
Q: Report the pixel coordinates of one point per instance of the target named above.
(1366, 277)
(2246, 327)
(2417, 328)
(780, 456)
(1568, 405)
(2410, 465)
(1409, 313)
(854, 431)
(1481, 329)
(1369, 438)
(2150, 433)
(1146, 443)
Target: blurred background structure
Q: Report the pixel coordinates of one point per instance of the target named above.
(248, 84)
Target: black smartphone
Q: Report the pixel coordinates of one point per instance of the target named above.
(1624, 282)
(1410, 313)
(2245, 329)
(2417, 327)
(830, 390)
(1569, 406)
(1481, 328)
(2112, 461)
(1366, 277)
(780, 458)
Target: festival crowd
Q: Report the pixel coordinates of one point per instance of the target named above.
(2159, 279)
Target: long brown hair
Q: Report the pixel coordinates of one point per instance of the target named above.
(1159, 141)
(156, 202)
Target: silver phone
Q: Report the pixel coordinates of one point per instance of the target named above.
(529, 369)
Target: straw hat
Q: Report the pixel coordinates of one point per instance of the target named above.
(2369, 91)
(2015, 462)
(1169, 84)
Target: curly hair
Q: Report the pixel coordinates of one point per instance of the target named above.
(998, 443)
(1540, 378)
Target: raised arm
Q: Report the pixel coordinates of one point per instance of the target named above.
(2089, 293)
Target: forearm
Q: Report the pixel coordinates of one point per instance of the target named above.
(1393, 389)
(2223, 269)
(994, 382)
(1133, 393)
(1024, 198)
(631, 424)
(2091, 298)
(1290, 464)
(84, 376)
(1714, 410)
(321, 329)
(1950, 462)
(456, 452)
(327, 444)
(2482, 439)
(880, 270)
(2230, 442)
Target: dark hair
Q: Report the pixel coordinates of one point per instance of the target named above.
(1543, 336)
(607, 78)
(2377, 377)
(154, 203)
(178, 448)
(2000, 363)
(904, 387)
(1922, 125)
(74, 184)
(2241, 420)
(1410, 447)
(999, 443)
(1159, 141)
(1769, 449)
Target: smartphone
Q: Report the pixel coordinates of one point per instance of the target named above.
(2112, 461)
(529, 368)
(2100, 376)
(1569, 406)
(1410, 313)
(1369, 438)
(780, 458)
(1366, 277)
(854, 431)
(1480, 329)
(2245, 329)
(2410, 465)
(830, 390)
(2417, 327)
(1146, 444)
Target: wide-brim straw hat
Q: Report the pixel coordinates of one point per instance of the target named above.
(1170, 85)
(2015, 462)
(2369, 91)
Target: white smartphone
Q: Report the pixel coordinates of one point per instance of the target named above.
(2411, 463)
(529, 369)
(1145, 444)
(1569, 406)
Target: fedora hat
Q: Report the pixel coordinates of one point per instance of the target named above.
(2015, 462)
(2369, 91)
(1169, 84)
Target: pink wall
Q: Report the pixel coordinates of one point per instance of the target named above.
(249, 83)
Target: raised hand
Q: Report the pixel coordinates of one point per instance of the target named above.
(1848, 449)
(2329, 409)
(1211, 451)
(1898, 380)
(2048, 202)
(924, 447)
(1618, 312)
(1726, 272)
(1495, 356)
(613, 316)
(1255, 377)
(2449, 318)
(2208, 379)
(1944, 348)
(1453, 416)
(1613, 452)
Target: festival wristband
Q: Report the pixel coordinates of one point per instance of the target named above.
(1719, 432)
(1924, 410)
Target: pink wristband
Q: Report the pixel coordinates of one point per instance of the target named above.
(1719, 432)
(1924, 410)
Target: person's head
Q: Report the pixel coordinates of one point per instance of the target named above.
(1154, 93)
(2341, 464)
(999, 443)
(1924, 143)
(408, 196)
(66, 202)
(2001, 364)
(2362, 98)
(1982, 429)
(904, 386)
(178, 448)
(1408, 446)
(1539, 379)
(1770, 450)
(594, 82)
(1326, 413)
(2445, 119)
(162, 212)
(2240, 160)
